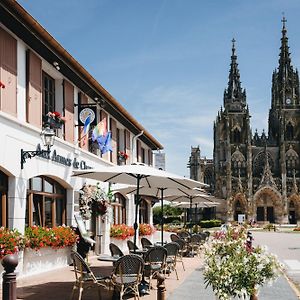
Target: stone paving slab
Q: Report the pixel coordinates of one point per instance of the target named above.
(193, 288)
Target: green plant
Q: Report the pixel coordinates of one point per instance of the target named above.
(37, 237)
(11, 241)
(210, 223)
(269, 227)
(121, 231)
(234, 268)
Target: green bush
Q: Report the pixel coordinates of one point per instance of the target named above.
(210, 223)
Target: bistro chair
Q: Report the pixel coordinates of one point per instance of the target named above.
(146, 243)
(127, 274)
(115, 250)
(131, 246)
(185, 235)
(196, 243)
(84, 276)
(182, 250)
(155, 261)
(172, 253)
(174, 237)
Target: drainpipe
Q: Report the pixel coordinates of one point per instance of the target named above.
(133, 147)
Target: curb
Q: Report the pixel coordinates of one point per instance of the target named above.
(292, 285)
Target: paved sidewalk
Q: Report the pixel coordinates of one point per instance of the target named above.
(58, 285)
(193, 288)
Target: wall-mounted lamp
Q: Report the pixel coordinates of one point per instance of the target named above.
(56, 65)
(47, 136)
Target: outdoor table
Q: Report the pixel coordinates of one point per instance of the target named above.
(159, 243)
(104, 257)
(139, 251)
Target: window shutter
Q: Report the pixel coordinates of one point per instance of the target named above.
(84, 141)
(8, 73)
(34, 89)
(69, 111)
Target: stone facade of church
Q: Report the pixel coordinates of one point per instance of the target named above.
(256, 175)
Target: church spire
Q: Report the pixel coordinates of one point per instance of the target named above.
(285, 81)
(234, 96)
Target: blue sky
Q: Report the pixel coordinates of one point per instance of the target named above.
(173, 57)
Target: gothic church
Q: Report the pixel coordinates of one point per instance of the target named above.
(256, 175)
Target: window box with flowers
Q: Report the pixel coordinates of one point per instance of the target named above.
(40, 249)
(122, 156)
(47, 248)
(146, 229)
(55, 119)
(234, 268)
(120, 233)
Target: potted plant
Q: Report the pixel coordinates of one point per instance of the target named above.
(232, 267)
(11, 241)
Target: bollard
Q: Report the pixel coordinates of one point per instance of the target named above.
(161, 288)
(9, 283)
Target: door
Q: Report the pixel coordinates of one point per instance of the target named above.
(260, 213)
(270, 214)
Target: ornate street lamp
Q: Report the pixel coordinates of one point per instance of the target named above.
(47, 136)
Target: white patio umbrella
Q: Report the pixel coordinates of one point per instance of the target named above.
(193, 199)
(139, 175)
(159, 192)
(199, 204)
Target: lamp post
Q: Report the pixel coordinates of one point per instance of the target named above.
(47, 136)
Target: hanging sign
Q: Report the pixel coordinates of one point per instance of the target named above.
(84, 111)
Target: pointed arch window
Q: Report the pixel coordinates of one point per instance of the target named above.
(289, 132)
(236, 136)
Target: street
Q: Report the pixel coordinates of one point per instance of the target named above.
(286, 245)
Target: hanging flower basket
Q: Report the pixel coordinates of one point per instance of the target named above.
(93, 199)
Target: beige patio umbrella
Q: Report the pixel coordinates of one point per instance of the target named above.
(193, 199)
(139, 175)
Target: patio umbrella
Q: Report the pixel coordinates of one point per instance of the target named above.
(196, 198)
(199, 204)
(139, 175)
(159, 192)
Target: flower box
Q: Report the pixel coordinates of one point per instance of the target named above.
(45, 259)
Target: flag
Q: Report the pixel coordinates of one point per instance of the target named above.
(99, 130)
(87, 124)
(104, 143)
